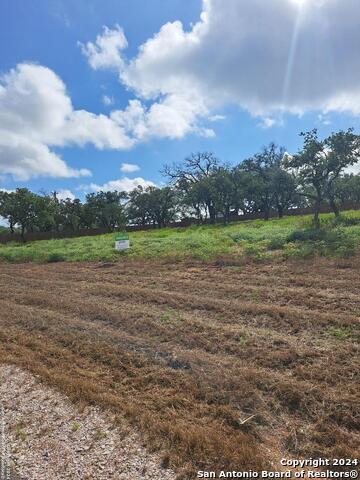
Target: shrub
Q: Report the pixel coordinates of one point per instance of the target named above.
(343, 221)
(238, 237)
(276, 243)
(255, 251)
(309, 235)
(8, 256)
(324, 242)
(56, 257)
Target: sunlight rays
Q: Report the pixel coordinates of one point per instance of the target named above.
(292, 54)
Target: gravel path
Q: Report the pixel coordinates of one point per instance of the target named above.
(46, 437)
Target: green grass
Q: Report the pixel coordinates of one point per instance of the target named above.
(258, 239)
(341, 333)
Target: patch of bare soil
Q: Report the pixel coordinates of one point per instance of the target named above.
(219, 366)
(49, 438)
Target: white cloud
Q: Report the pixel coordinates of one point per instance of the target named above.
(269, 122)
(64, 194)
(107, 101)
(23, 158)
(173, 117)
(129, 167)
(323, 119)
(265, 57)
(33, 111)
(123, 184)
(102, 131)
(106, 51)
(268, 57)
(36, 114)
(216, 118)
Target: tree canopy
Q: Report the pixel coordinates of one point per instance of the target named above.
(204, 188)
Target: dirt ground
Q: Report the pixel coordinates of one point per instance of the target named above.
(48, 438)
(218, 366)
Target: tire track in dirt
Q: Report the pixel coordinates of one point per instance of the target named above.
(187, 351)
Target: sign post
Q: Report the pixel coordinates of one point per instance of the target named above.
(122, 241)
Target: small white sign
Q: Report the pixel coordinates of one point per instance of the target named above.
(122, 244)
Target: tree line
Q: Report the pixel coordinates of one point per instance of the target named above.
(204, 188)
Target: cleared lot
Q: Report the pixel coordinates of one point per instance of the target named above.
(219, 366)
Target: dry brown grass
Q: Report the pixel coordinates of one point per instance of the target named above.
(188, 352)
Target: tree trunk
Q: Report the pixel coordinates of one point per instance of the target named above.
(266, 213)
(317, 212)
(23, 234)
(334, 206)
(212, 214)
(280, 210)
(198, 216)
(227, 215)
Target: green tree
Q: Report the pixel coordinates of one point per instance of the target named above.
(44, 213)
(245, 191)
(137, 209)
(20, 208)
(71, 211)
(222, 190)
(107, 208)
(320, 163)
(7, 208)
(269, 178)
(283, 187)
(347, 189)
(161, 205)
(341, 150)
(193, 170)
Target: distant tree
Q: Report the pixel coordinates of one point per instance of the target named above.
(20, 208)
(45, 213)
(57, 214)
(71, 213)
(137, 209)
(191, 171)
(88, 218)
(319, 164)
(283, 187)
(222, 190)
(161, 205)
(245, 191)
(341, 150)
(198, 197)
(269, 180)
(347, 189)
(7, 208)
(107, 208)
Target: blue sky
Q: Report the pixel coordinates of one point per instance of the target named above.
(79, 99)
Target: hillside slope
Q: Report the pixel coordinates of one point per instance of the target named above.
(288, 237)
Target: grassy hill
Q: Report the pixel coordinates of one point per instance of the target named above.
(288, 237)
